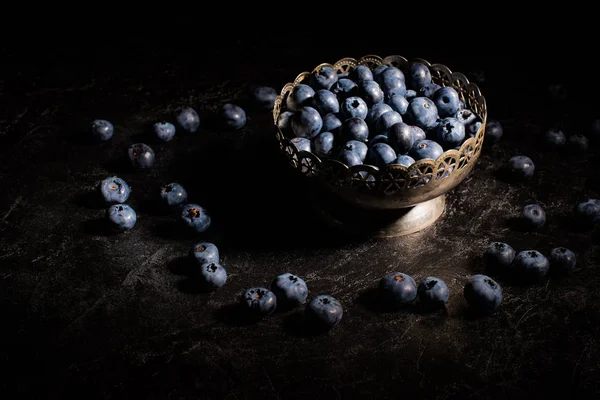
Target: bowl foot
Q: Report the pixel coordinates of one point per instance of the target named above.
(383, 223)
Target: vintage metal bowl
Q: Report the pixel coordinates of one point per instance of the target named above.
(394, 200)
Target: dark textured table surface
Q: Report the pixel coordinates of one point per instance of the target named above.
(114, 316)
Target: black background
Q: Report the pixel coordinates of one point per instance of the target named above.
(113, 316)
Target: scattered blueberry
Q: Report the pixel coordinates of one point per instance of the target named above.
(386, 121)
(302, 144)
(284, 120)
(121, 217)
(423, 149)
(499, 256)
(324, 312)
(323, 78)
(450, 132)
(300, 96)
(562, 260)
(358, 147)
(324, 144)
(447, 101)
(521, 167)
(355, 129)
(370, 92)
(114, 190)
(493, 130)
(212, 275)
(401, 138)
(419, 76)
(483, 294)
(354, 107)
(307, 122)
(554, 138)
(259, 301)
(398, 289)
(344, 88)
(173, 194)
(326, 102)
(331, 123)
(578, 144)
(141, 155)
(361, 73)
(264, 97)
(530, 265)
(102, 129)
(165, 131)
(196, 217)
(233, 116)
(398, 104)
(290, 290)
(433, 292)
(205, 252)
(187, 119)
(405, 160)
(534, 216)
(422, 112)
(588, 212)
(381, 154)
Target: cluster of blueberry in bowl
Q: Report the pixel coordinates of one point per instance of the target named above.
(377, 117)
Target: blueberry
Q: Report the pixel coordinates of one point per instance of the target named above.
(263, 96)
(418, 133)
(419, 76)
(121, 217)
(344, 88)
(302, 144)
(447, 101)
(187, 119)
(102, 129)
(323, 78)
(173, 194)
(433, 292)
(562, 260)
(493, 130)
(398, 289)
(423, 149)
(521, 167)
(114, 190)
(391, 73)
(212, 275)
(405, 160)
(343, 75)
(354, 107)
(386, 121)
(391, 84)
(554, 138)
(578, 144)
(196, 217)
(377, 111)
(324, 144)
(483, 294)
(290, 290)
(361, 73)
(595, 129)
(533, 216)
(331, 123)
(204, 252)
(588, 211)
(324, 312)
(422, 112)
(165, 131)
(370, 92)
(378, 139)
(355, 129)
(307, 122)
(499, 256)
(398, 104)
(350, 158)
(450, 132)
(429, 90)
(326, 102)
(141, 155)
(530, 265)
(284, 120)
(300, 96)
(472, 129)
(401, 138)
(259, 301)
(466, 116)
(233, 116)
(410, 94)
(358, 147)
(379, 70)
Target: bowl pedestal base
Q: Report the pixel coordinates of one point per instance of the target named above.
(380, 223)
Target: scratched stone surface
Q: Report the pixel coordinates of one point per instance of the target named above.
(115, 316)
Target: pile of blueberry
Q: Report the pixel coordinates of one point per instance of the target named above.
(376, 117)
